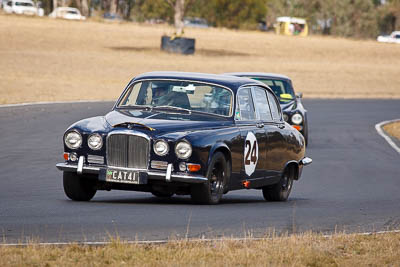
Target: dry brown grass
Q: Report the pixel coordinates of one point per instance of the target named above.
(301, 250)
(47, 60)
(393, 129)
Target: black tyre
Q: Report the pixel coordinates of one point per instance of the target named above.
(78, 188)
(281, 190)
(218, 174)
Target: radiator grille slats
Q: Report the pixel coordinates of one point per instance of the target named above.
(127, 151)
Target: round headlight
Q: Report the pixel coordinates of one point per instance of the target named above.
(95, 141)
(73, 140)
(183, 150)
(297, 118)
(161, 147)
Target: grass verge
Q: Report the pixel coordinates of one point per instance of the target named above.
(393, 129)
(295, 250)
(58, 60)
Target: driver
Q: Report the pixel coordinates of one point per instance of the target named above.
(160, 94)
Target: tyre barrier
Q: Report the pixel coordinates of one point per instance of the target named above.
(178, 45)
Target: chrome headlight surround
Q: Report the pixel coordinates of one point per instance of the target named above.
(297, 118)
(161, 147)
(95, 141)
(183, 150)
(73, 139)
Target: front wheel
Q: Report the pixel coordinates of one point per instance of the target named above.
(78, 188)
(218, 174)
(281, 190)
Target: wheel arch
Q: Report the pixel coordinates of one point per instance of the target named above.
(224, 149)
(293, 166)
(220, 147)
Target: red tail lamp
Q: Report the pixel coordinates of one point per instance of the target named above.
(193, 167)
(246, 184)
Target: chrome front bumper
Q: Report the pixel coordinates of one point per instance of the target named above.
(167, 176)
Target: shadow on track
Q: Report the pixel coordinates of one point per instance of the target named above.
(201, 51)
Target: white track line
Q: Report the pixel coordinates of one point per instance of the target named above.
(382, 133)
(50, 103)
(159, 242)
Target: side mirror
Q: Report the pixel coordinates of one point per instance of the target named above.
(299, 95)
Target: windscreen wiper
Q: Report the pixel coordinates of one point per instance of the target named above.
(172, 108)
(145, 107)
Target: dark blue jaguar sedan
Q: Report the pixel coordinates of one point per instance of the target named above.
(180, 133)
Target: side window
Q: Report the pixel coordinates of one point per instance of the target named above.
(261, 103)
(274, 107)
(245, 105)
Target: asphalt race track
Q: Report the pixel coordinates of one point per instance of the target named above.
(353, 184)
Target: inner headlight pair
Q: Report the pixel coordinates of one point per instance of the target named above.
(73, 140)
(183, 149)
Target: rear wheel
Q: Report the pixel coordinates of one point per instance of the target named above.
(281, 190)
(78, 188)
(218, 173)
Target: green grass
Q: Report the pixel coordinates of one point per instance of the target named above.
(295, 250)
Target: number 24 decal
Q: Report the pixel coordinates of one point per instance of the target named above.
(251, 155)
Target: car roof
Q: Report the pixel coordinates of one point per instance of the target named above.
(232, 82)
(259, 74)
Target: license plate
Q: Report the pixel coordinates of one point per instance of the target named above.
(120, 176)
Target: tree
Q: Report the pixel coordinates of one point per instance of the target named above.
(180, 9)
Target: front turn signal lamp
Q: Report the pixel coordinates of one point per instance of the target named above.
(193, 167)
(297, 127)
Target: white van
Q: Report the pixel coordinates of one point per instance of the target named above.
(26, 7)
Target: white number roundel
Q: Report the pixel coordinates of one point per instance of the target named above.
(250, 153)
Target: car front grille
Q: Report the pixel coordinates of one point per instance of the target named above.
(127, 151)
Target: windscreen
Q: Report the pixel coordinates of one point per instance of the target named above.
(193, 96)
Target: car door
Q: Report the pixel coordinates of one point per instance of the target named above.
(276, 148)
(252, 136)
(263, 112)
